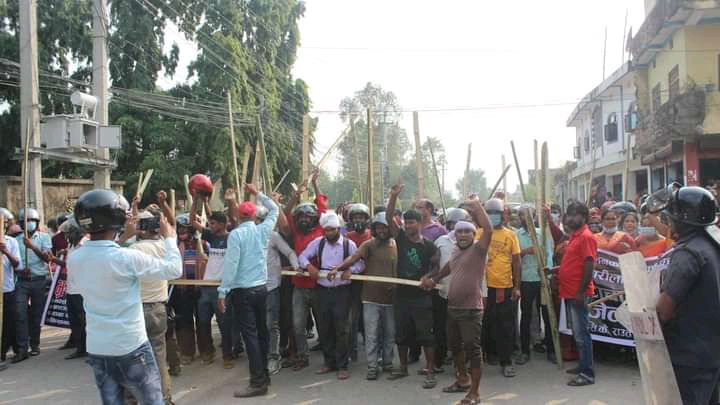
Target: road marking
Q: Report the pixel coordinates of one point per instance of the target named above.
(507, 396)
(315, 384)
(310, 402)
(556, 401)
(41, 395)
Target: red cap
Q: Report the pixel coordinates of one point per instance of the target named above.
(246, 209)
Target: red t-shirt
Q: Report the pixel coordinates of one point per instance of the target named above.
(359, 238)
(581, 246)
(301, 240)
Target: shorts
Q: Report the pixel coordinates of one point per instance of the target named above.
(414, 323)
(464, 331)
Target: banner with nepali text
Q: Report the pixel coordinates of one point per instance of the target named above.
(56, 311)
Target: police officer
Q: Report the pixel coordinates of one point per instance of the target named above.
(689, 302)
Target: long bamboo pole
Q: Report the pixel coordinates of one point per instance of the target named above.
(497, 184)
(234, 145)
(519, 172)
(437, 177)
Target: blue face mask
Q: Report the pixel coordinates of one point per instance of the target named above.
(646, 230)
(610, 230)
(495, 219)
(31, 226)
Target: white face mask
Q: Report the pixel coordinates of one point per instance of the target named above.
(646, 230)
(610, 230)
(31, 226)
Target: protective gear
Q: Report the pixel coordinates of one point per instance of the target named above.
(359, 209)
(456, 215)
(494, 204)
(646, 230)
(101, 210)
(261, 212)
(495, 219)
(200, 184)
(643, 209)
(623, 207)
(379, 218)
(693, 206)
(61, 218)
(7, 214)
(311, 212)
(33, 215)
(610, 230)
(32, 226)
(183, 221)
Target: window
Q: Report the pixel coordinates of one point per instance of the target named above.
(611, 128)
(656, 100)
(586, 141)
(631, 118)
(673, 82)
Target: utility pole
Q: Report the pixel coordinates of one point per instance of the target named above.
(371, 174)
(466, 178)
(443, 175)
(29, 104)
(306, 151)
(101, 78)
(418, 157)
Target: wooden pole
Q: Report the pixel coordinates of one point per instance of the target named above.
(188, 196)
(437, 178)
(356, 154)
(536, 158)
(371, 172)
(267, 173)
(497, 183)
(306, 150)
(546, 295)
(245, 167)
(418, 157)
(277, 187)
(173, 205)
(519, 172)
(256, 166)
(466, 178)
(232, 142)
(542, 197)
(504, 182)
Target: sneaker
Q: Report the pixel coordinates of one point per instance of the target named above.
(228, 363)
(207, 358)
(250, 391)
(273, 366)
(372, 374)
(35, 351)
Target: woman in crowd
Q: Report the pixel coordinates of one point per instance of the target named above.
(629, 224)
(610, 238)
(650, 242)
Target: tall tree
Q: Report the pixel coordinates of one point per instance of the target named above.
(477, 183)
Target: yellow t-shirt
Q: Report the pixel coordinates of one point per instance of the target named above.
(503, 246)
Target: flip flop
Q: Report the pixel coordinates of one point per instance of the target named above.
(343, 375)
(469, 401)
(398, 374)
(455, 388)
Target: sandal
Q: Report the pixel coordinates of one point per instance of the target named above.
(469, 401)
(398, 374)
(580, 381)
(325, 370)
(343, 375)
(455, 388)
(436, 370)
(509, 371)
(430, 382)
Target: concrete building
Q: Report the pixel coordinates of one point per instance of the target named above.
(603, 146)
(676, 68)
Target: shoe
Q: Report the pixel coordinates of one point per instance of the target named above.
(20, 356)
(228, 363)
(251, 392)
(522, 359)
(207, 358)
(273, 366)
(372, 374)
(539, 348)
(76, 355)
(316, 348)
(388, 368)
(185, 360)
(175, 371)
(35, 351)
(509, 371)
(300, 364)
(67, 345)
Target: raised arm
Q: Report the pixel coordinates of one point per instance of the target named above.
(481, 218)
(295, 199)
(167, 268)
(165, 207)
(390, 209)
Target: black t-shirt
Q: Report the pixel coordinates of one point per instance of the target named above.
(693, 281)
(413, 263)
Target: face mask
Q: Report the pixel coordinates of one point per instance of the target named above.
(555, 217)
(610, 230)
(32, 226)
(495, 219)
(595, 228)
(646, 230)
(359, 227)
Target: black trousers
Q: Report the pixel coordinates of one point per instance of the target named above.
(184, 301)
(8, 332)
(698, 386)
(499, 321)
(334, 325)
(76, 313)
(287, 331)
(30, 296)
(530, 292)
(250, 315)
(440, 314)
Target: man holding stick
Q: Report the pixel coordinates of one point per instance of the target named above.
(10, 255)
(413, 306)
(465, 304)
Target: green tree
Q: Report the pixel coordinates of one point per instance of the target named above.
(477, 183)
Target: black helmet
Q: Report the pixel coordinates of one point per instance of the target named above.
(308, 209)
(61, 218)
(456, 214)
(101, 210)
(693, 206)
(623, 207)
(183, 221)
(32, 215)
(359, 209)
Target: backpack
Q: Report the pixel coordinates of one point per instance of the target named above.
(346, 251)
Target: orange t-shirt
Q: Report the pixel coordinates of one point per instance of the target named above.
(653, 248)
(613, 245)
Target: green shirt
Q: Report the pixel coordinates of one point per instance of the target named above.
(529, 262)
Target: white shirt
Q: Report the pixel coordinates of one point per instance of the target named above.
(277, 247)
(70, 283)
(152, 291)
(108, 278)
(8, 269)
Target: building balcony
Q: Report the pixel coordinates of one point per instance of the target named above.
(678, 119)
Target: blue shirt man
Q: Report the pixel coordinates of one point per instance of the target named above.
(529, 261)
(13, 250)
(37, 266)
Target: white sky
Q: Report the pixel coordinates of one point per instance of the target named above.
(459, 54)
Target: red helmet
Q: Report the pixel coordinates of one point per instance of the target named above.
(200, 184)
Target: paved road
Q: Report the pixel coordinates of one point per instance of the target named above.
(50, 379)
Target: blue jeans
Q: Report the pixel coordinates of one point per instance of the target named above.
(580, 325)
(28, 321)
(302, 300)
(136, 371)
(379, 321)
(273, 323)
(207, 306)
(250, 313)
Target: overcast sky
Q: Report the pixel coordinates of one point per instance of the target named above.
(514, 69)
